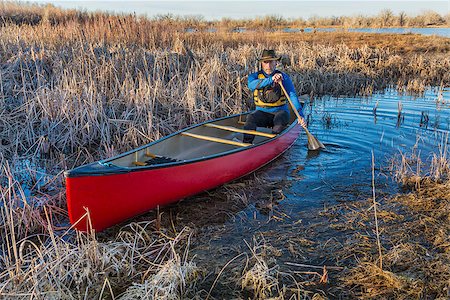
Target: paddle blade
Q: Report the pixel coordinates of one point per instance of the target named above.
(313, 143)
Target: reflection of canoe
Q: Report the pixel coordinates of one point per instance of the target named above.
(185, 163)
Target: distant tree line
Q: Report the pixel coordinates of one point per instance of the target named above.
(385, 18)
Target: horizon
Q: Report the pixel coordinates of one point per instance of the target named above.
(220, 9)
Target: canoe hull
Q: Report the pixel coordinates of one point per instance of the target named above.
(111, 199)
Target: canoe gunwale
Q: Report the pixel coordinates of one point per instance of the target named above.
(105, 168)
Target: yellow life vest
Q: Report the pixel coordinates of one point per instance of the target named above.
(269, 96)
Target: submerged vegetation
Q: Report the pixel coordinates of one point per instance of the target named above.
(76, 87)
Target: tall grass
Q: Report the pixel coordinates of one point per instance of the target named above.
(260, 273)
(112, 82)
(69, 265)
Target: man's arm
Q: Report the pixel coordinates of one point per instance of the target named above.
(253, 81)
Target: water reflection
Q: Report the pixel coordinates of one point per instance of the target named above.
(351, 128)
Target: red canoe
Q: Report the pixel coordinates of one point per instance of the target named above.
(182, 164)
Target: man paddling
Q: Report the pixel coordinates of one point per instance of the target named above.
(272, 109)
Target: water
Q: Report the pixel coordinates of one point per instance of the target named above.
(351, 131)
(444, 32)
(32, 179)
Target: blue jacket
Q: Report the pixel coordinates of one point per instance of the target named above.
(253, 81)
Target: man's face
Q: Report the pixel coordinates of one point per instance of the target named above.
(269, 66)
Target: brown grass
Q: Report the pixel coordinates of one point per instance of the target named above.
(260, 273)
(117, 82)
(74, 265)
(414, 231)
(416, 249)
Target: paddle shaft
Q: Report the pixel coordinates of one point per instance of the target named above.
(313, 143)
(293, 106)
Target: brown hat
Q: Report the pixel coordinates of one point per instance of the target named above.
(269, 55)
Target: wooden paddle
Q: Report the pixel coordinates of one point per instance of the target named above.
(313, 143)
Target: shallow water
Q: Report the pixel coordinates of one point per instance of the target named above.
(444, 32)
(441, 31)
(352, 130)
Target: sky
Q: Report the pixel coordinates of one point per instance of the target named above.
(249, 9)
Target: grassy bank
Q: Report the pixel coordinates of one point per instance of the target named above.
(413, 260)
(76, 87)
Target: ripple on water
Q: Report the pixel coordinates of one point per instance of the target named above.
(385, 124)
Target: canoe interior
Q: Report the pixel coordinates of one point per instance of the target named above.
(182, 148)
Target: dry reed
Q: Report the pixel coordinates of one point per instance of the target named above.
(415, 236)
(68, 265)
(114, 82)
(260, 274)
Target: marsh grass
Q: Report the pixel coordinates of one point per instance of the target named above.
(260, 273)
(415, 253)
(414, 235)
(410, 170)
(79, 90)
(264, 276)
(61, 265)
(103, 84)
(171, 280)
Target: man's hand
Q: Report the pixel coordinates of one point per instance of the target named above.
(277, 78)
(302, 122)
